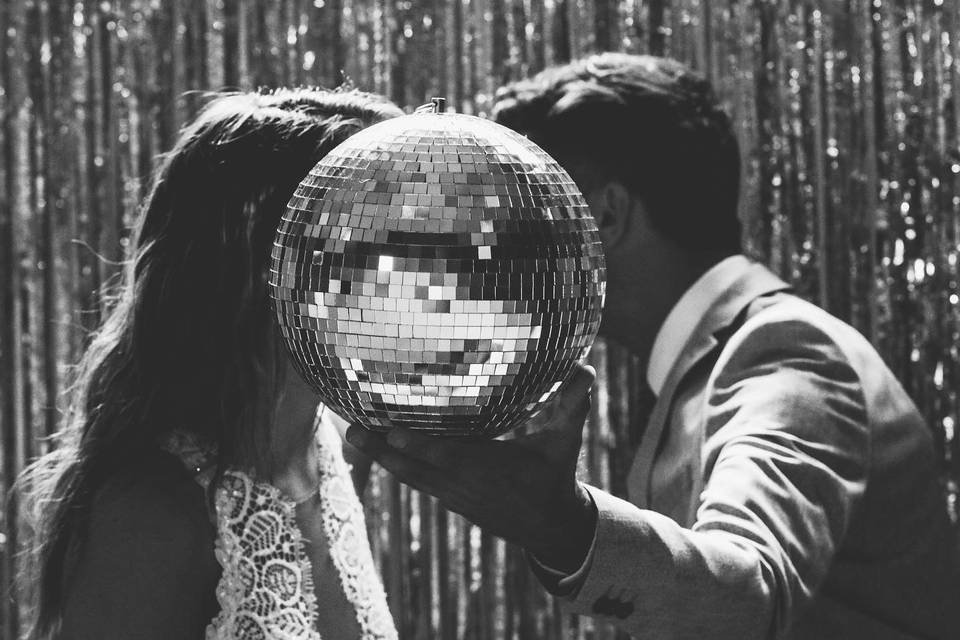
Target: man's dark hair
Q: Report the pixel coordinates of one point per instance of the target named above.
(651, 123)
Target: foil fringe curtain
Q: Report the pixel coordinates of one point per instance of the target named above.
(848, 114)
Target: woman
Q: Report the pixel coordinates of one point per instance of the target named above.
(194, 490)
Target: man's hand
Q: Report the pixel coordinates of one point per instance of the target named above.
(524, 490)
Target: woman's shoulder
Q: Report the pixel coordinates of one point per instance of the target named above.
(153, 487)
(151, 498)
(147, 552)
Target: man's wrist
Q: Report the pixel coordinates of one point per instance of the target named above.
(564, 547)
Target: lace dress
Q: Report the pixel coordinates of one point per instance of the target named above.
(266, 589)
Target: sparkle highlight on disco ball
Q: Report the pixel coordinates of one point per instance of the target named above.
(437, 271)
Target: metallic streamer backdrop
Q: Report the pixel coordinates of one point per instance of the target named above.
(848, 114)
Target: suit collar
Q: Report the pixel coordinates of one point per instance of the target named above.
(681, 324)
(744, 283)
(750, 282)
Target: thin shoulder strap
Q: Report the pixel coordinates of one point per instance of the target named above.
(199, 460)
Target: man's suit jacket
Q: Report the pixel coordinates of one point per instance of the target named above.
(785, 487)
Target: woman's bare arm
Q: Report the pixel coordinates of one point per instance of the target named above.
(146, 570)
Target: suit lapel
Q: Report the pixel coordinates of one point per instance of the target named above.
(755, 281)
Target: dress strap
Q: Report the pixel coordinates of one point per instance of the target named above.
(266, 589)
(199, 460)
(345, 527)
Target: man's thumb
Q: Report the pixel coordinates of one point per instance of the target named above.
(564, 434)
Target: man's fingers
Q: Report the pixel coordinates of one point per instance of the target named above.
(570, 405)
(420, 460)
(367, 441)
(439, 452)
(558, 433)
(417, 473)
(444, 453)
(545, 416)
(577, 387)
(413, 473)
(573, 392)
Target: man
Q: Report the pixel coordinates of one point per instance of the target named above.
(785, 485)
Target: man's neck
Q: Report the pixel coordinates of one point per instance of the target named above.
(654, 308)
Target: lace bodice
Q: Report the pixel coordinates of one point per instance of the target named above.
(266, 589)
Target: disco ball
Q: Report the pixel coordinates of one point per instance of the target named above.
(437, 271)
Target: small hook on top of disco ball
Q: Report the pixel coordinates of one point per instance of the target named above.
(436, 105)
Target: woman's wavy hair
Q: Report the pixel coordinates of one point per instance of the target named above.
(189, 343)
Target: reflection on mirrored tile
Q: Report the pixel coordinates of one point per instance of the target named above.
(437, 271)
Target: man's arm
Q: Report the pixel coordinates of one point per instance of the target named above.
(785, 464)
(523, 490)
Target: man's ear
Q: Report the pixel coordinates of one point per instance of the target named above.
(612, 205)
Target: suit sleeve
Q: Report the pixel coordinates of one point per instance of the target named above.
(785, 463)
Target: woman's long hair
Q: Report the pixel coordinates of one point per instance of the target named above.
(189, 343)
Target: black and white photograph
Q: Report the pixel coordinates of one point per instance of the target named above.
(479, 319)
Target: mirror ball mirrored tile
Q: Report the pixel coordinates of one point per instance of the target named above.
(437, 271)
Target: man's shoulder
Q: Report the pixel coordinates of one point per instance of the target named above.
(785, 332)
(785, 306)
(783, 319)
